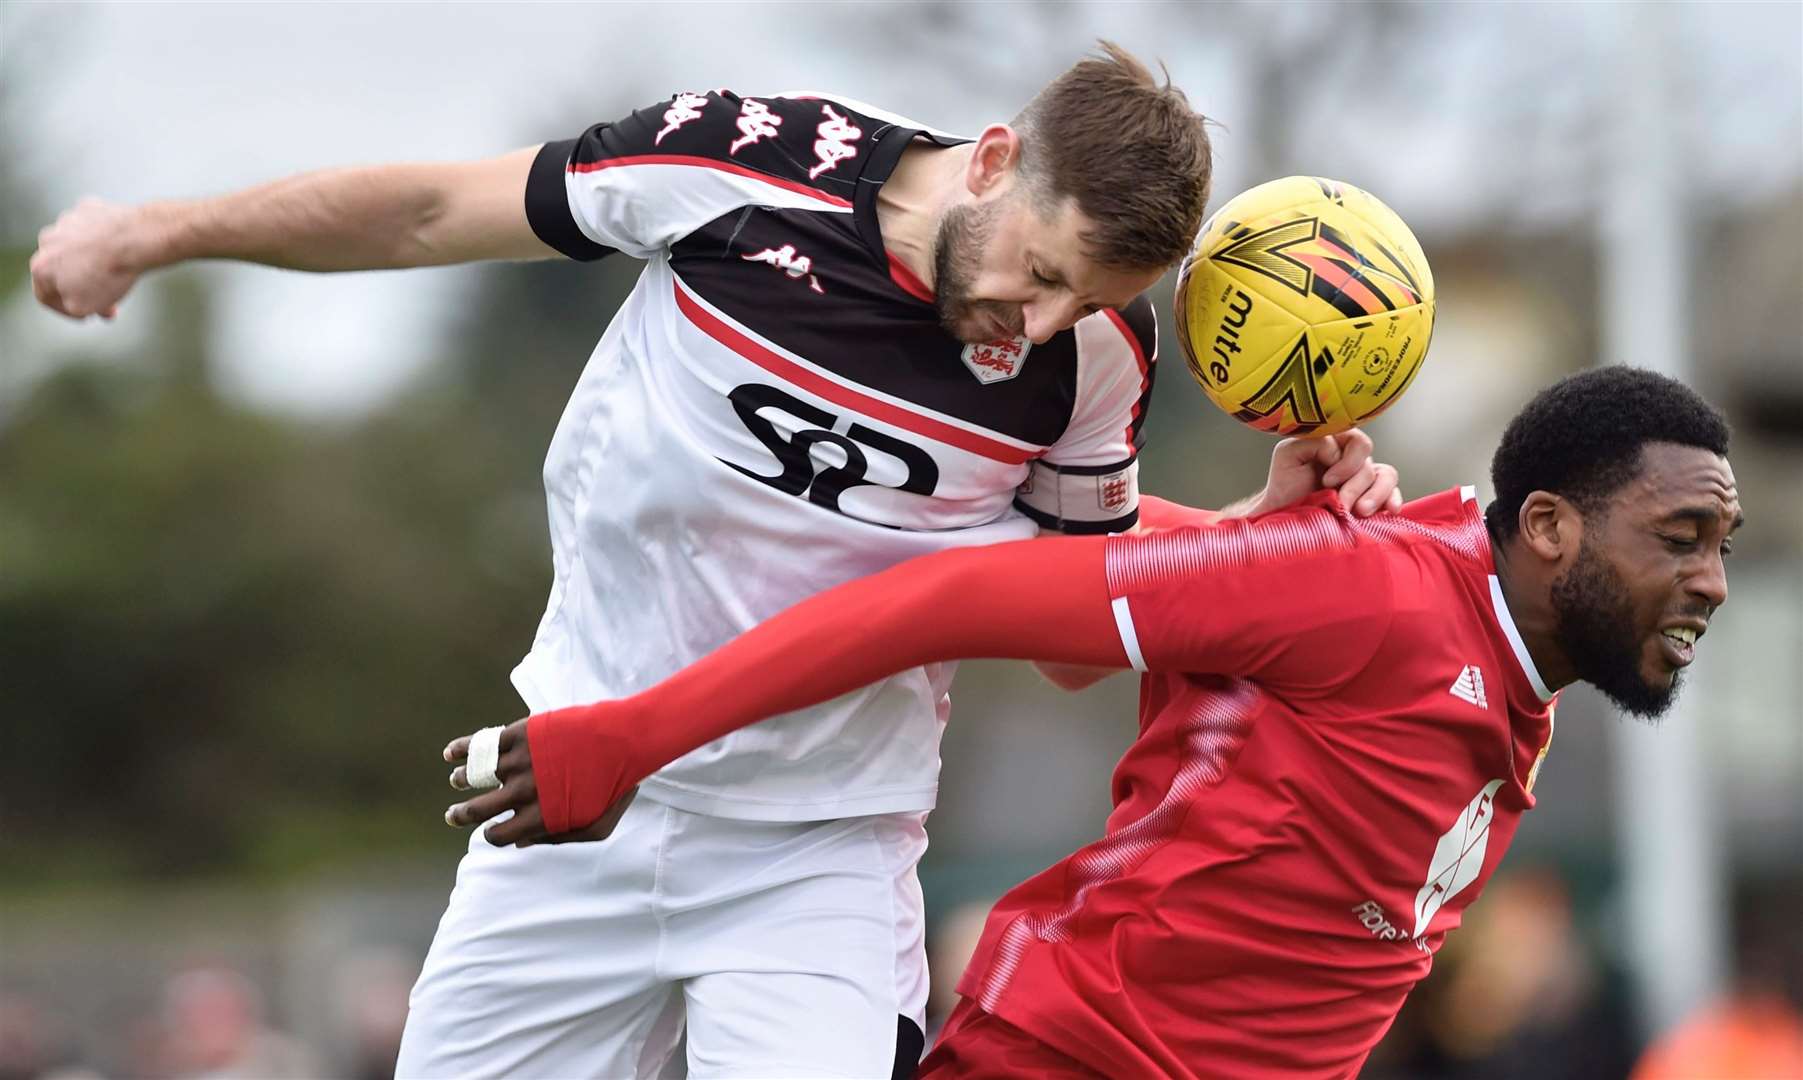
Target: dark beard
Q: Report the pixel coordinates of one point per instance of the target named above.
(1596, 631)
(963, 232)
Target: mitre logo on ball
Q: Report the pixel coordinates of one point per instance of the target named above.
(994, 361)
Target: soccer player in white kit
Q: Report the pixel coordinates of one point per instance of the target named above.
(856, 339)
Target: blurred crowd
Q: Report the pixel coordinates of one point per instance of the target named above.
(1526, 990)
(211, 1023)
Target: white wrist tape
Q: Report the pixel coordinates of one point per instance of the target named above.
(485, 757)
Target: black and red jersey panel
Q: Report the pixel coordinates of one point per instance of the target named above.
(764, 211)
(847, 314)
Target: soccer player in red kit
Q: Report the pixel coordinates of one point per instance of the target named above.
(1340, 726)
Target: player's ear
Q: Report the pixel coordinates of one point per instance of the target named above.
(996, 157)
(1551, 526)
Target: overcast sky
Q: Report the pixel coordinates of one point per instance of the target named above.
(1484, 105)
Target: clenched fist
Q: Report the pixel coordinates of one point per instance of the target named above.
(83, 263)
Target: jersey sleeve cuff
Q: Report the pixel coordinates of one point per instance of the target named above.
(548, 204)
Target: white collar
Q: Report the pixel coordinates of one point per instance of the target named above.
(1507, 622)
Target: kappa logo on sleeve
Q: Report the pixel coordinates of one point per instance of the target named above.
(755, 122)
(837, 134)
(685, 108)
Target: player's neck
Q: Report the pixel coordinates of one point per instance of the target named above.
(909, 204)
(1529, 596)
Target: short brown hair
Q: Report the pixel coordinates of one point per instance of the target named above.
(1130, 151)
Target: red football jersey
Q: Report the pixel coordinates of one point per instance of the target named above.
(1304, 815)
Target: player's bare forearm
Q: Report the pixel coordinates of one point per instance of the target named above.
(371, 218)
(1036, 600)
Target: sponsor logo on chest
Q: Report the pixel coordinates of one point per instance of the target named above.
(996, 361)
(1458, 857)
(1458, 861)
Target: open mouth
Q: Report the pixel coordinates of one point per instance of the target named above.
(1679, 644)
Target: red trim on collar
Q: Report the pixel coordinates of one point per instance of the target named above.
(904, 277)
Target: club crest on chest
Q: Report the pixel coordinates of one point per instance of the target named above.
(996, 361)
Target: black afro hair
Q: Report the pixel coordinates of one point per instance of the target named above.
(1581, 437)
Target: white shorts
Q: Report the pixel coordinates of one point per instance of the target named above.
(790, 949)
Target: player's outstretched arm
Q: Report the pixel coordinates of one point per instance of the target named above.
(1299, 467)
(1154, 513)
(371, 218)
(1033, 600)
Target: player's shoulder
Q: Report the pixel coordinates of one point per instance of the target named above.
(1141, 321)
(824, 105)
(1128, 333)
(1437, 549)
(815, 140)
(1449, 521)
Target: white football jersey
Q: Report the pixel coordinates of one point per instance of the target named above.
(776, 410)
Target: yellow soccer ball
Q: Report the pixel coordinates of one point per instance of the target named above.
(1305, 307)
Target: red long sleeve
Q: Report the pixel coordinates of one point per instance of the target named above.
(1034, 600)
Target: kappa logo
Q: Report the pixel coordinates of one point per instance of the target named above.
(1458, 857)
(997, 361)
(755, 122)
(785, 259)
(1469, 686)
(685, 108)
(835, 142)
